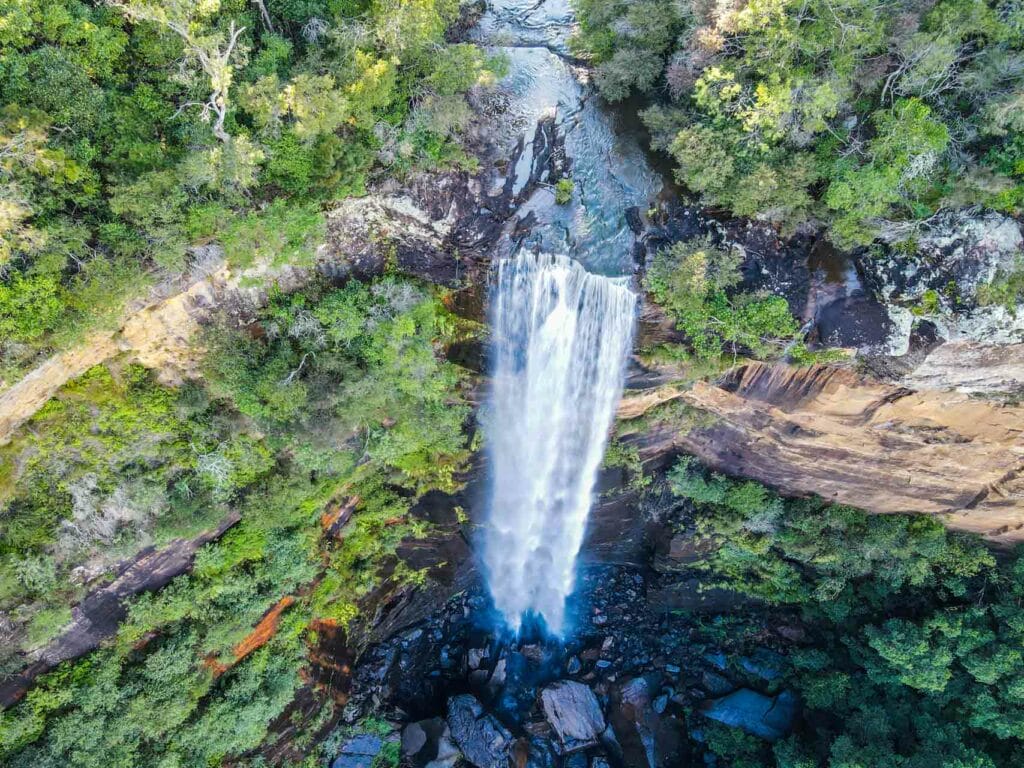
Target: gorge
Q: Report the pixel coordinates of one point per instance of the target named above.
(502, 387)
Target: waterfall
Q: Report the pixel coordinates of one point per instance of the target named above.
(561, 337)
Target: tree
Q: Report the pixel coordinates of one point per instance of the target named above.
(209, 49)
(694, 281)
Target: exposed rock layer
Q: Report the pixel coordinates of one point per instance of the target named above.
(98, 616)
(831, 432)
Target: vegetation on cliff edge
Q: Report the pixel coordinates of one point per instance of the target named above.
(913, 656)
(851, 113)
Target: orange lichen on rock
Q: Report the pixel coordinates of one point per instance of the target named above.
(335, 517)
(263, 631)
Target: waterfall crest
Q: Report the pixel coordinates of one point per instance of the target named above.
(561, 337)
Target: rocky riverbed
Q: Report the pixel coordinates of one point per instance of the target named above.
(630, 685)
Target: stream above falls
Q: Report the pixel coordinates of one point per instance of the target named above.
(610, 170)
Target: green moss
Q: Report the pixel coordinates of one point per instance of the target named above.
(1007, 290)
(564, 190)
(47, 624)
(929, 305)
(627, 456)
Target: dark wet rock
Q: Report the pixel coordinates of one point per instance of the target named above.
(483, 740)
(634, 221)
(359, 752)
(856, 321)
(682, 549)
(759, 715)
(476, 657)
(764, 663)
(791, 633)
(715, 684)
(646, 737)
(534, 752)
(718, 660)
(428, 743)
(573, 712)
(498, 676)
(771, 263)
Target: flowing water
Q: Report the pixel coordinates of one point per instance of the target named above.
(562, 315)
(562, 336)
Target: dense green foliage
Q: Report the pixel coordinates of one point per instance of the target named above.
(916, 633)
(325, 396)
(132, 129)
(695, 281)
(850, 112)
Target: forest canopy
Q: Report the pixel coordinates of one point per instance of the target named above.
(134, 129)
(852, 113)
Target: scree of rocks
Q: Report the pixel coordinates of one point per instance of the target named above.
(631, 686)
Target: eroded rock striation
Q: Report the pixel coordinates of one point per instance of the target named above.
(854, 440)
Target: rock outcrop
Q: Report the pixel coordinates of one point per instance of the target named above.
(953, 255)
(766, 717)
(98, 616)
(938, 269)
(972, 368)
(833, 433)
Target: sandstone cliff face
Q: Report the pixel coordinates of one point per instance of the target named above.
(830, 432)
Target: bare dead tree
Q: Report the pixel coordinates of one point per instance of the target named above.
(264, 15)
(211, 51)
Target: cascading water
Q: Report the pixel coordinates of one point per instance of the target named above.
(561, 337)
(561, 333)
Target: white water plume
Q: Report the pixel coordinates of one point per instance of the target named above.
(561, 336)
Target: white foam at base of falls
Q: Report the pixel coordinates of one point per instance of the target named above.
(561, 338)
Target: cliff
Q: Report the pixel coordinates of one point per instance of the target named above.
(854, 440)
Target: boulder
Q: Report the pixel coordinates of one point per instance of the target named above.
(759, 715)
(647, 737)
(483, 740)
(715, 684)
(764, 663)
(359, 752)
(427, 743)
(573, 712)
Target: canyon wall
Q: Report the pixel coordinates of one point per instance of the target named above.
(853, 440)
